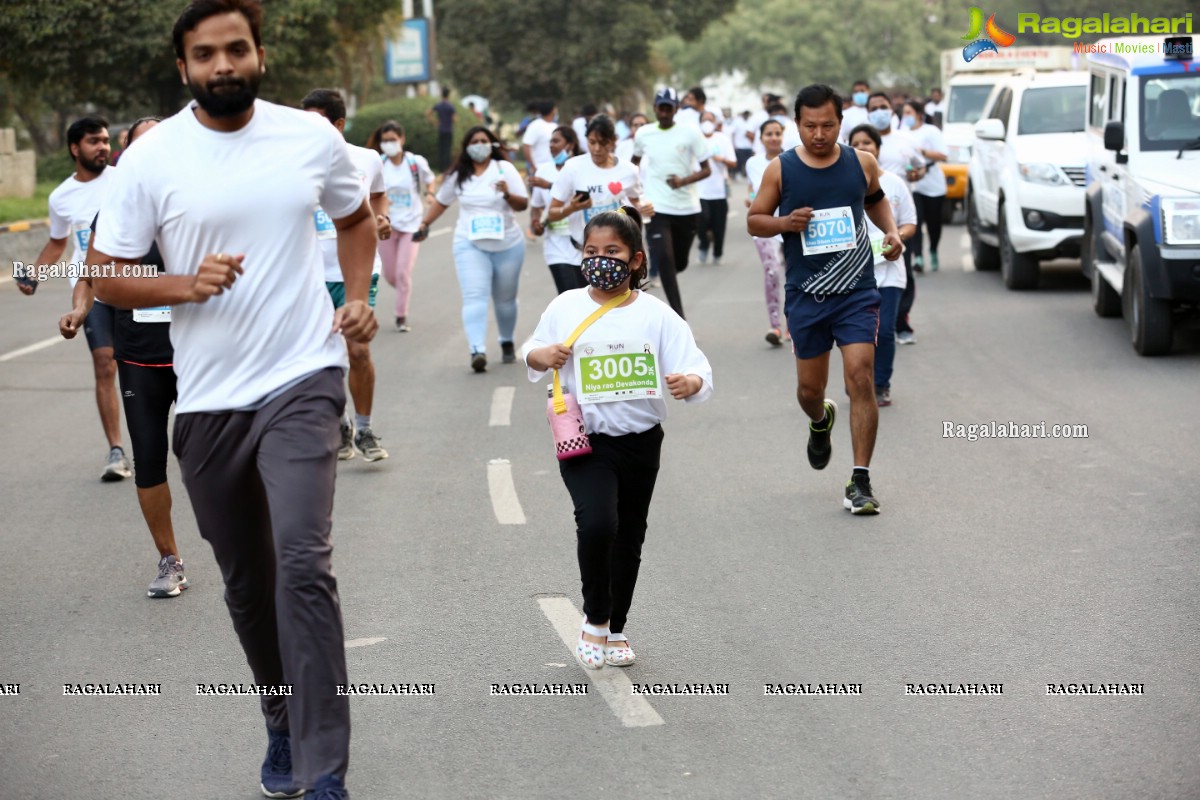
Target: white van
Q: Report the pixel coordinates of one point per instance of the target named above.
(1142, 219)
(1026, 176)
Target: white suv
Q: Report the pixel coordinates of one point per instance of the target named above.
(1142, 223)
(1026, 176)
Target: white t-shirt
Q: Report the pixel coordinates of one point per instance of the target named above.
(404, 197)
(898, 151)
(73, 206)
(609, 188)
(253, 191)
(791, 133)
(932, 109)
(714, 186)
(737, 133)
(673, 151)
(754, 125)
(890, 274)
(852, 117)
(624, 149)
(484, 214)
(579, 125)
(756, 167)
(929, 137)
(646, 319)
(556, 241)
(370, 173)
(537, 136)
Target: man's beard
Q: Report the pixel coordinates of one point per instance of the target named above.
(228, 102)
(96, 166)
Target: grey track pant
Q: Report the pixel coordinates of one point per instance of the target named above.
(261, 485)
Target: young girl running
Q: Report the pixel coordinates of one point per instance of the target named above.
(770, 251)
(611, 487)
(561, 256)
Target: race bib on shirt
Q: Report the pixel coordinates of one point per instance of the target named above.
(400, 199)
(325, 229)
(156, 314)
(560, 228)
(877, 248)
(486, 226)
(830, 230)
(83, 235)
(588, 213)
(608, 372)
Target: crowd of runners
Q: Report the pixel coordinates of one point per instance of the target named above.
(618, 202)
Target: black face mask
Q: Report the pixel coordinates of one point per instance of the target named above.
(226, 97)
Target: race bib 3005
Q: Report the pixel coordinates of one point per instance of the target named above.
(829, 230)
(608, 372)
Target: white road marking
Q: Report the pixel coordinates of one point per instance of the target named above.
(611, 682)
(964, 241)
(440, 232)
(365, 642)
(33, 348)
(968, 263)
(505, 503)
(502, 400)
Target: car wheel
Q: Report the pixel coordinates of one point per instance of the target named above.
(1149, 318)
(1019, 270)
(1105, 300)
(986, 257)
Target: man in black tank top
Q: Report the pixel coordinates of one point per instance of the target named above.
(821, 192)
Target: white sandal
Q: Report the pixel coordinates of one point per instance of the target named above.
(590, 655)
(618, 656)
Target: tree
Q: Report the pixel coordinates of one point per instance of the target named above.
(571, 51)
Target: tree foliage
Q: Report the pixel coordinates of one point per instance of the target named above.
(888, 42)
(575, 52)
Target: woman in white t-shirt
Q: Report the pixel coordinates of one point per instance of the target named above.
(890, 277)
(561, 256)
(591, 184)
(770, 251)
(489, 247)
(408, 181)
(642, 340)
(714, 190)
(929, 193)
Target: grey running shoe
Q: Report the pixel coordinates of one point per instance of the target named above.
(368, 444)
(860, 498)
(170, 580)
(346, 451)
(883, 396)
(906, 337)
(117, 468)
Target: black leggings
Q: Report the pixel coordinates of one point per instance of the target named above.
(713, 216)
(148, 393)
(567, 277)
(669, 238)
(611, 489)
(929, 215)
(908, 297)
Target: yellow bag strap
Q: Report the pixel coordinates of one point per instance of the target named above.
(560, 405)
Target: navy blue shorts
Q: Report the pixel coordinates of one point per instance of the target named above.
(99, 325)
(817, 321)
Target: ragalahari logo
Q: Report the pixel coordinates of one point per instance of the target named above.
(995, 36)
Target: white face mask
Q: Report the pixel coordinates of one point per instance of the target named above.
(390, 149)
(480, 151)
(707, 127)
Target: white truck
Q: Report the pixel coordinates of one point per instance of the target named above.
(1141, 230)
(966, 86)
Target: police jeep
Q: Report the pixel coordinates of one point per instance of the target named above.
(1141, 241)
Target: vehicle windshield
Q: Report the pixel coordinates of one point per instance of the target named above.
(1054, 109)
(966, 102)
(1170, 111)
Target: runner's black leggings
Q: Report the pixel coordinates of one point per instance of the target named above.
(567, 277)
(611, 488)
(714, 214)
(929, 215)
(148, 393)
(669, 238)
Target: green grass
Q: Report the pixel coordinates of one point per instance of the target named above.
(15, 209)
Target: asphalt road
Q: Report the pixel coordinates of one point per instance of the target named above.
(1021, 562)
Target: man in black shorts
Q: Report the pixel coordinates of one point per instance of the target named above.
(821, 191)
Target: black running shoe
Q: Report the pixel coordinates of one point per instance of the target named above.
(819, 447)
(859, 497)
(478, 362)
(509, 352)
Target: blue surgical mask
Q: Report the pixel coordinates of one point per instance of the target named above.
(881, 118)
(561, 158)
(908, 122)
(860, 98)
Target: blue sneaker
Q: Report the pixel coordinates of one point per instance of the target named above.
(277, 767)
(329, 788)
